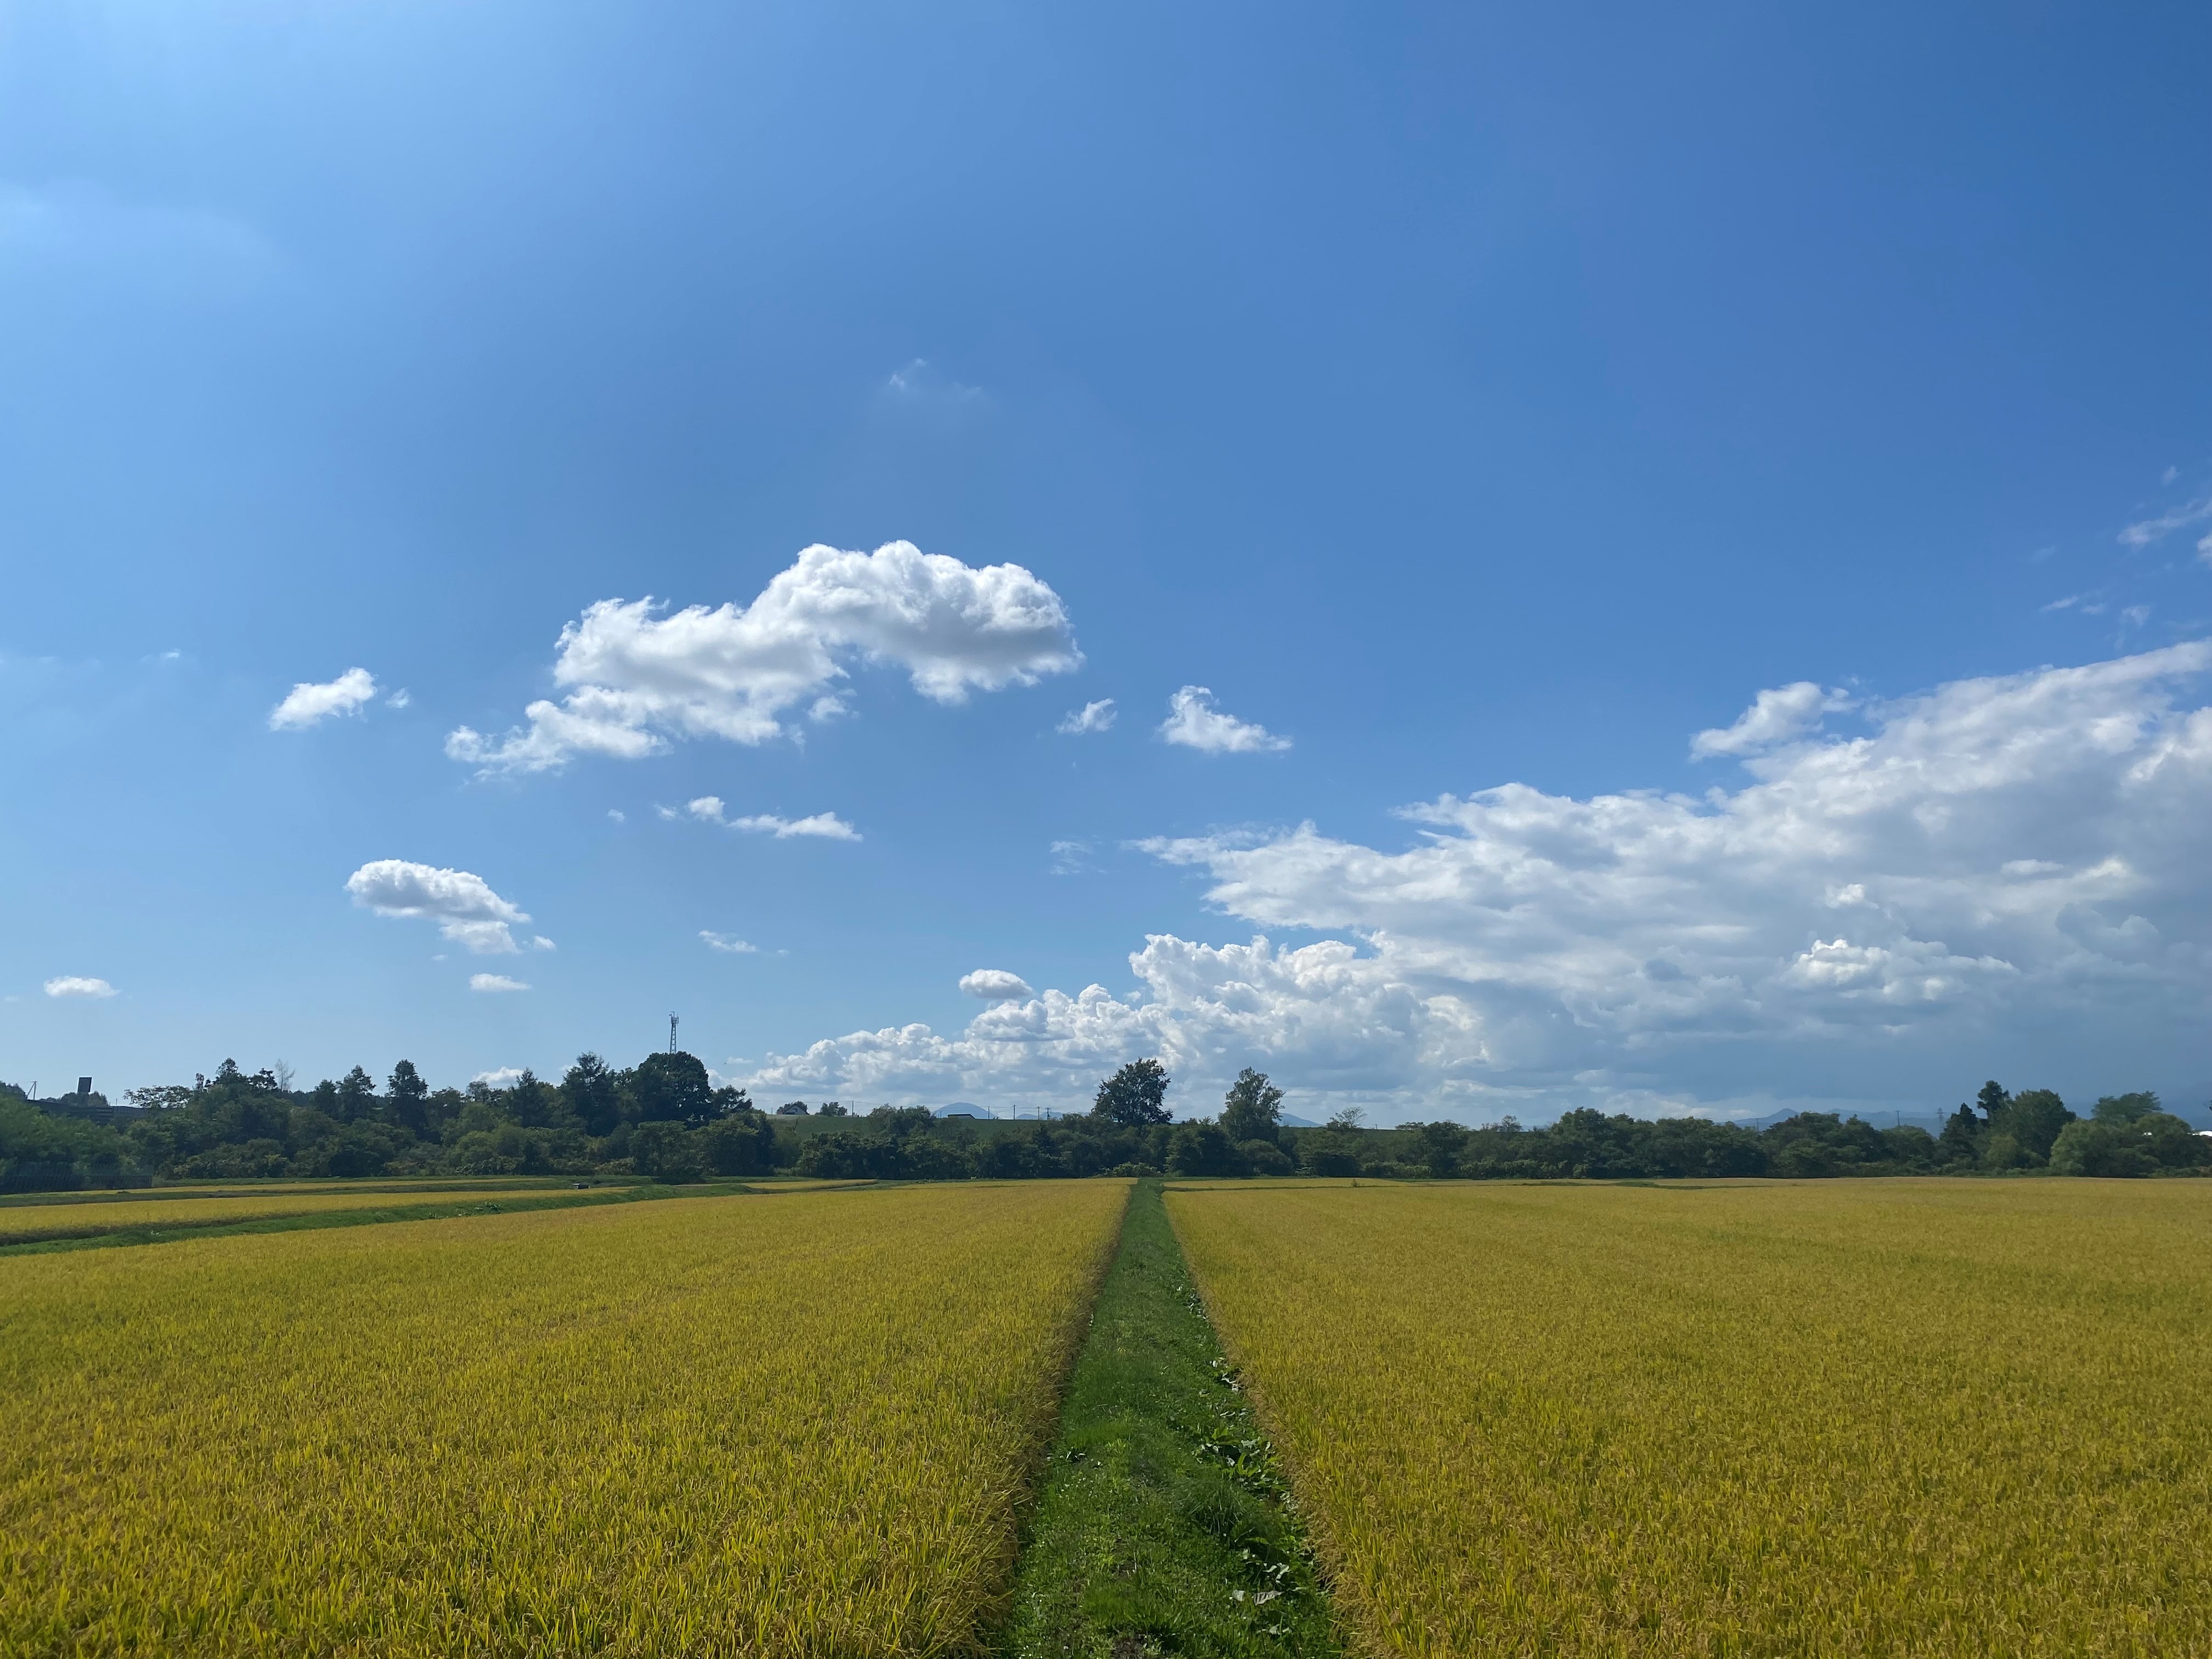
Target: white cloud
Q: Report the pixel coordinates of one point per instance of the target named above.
(615, 814)
(495, 983)
(2066, 604)
(641, 679)
(921, 383)
(711, 809)
(503, 1077)
(1091, 717)
(1774, 717)
(1193, 722)
(540, 942)
(729, 943)
(400, 699)
(2004, 875)
(2134, 616)
(827, 825)
(2146, 531)
(1071, 858)
(309, 702)
(996, 985)
(463, 905)
(70, 985)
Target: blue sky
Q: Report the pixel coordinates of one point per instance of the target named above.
(1468, 397)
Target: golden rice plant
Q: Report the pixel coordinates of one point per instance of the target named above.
(1936, 1417)
(790, 1426)
(21, 1223)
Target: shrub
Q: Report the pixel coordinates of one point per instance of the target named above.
(1267, 1158)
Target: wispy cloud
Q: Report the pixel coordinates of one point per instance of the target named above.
(922, 382)
(311, 701)
(827, 826)
(75, 231)
(2144, 531)
(1193, 722)
(1091, 717)
(495, 983)
(1775, 716)
(730, 944)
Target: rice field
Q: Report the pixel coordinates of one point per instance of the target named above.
(1901, 1417)
(715, 1427)
(27, 1223)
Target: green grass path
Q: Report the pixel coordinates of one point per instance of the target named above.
(1161, 1524)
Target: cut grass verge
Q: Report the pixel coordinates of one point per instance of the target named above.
(1161, 1524)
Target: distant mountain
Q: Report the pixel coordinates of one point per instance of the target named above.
(1932, 1122)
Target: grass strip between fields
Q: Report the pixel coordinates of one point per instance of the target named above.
(314, 1220)
(1162, 1523)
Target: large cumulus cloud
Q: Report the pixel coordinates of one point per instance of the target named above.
(2006, 871)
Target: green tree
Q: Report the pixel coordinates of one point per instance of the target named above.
(530, 1102)
(1440, 1143)
(405, 1097)
(1266, 1158)
(2033, 1118)
(1134, 1096)
(356, 1097)
(2125, 1108)
(2098, 1147)
(1961, 1140)
(1202, 1149)
(664, 1150)
(673, 1088)
(1992, 1100)
(1253, 1109)
(740, 1143)
(593, 1094)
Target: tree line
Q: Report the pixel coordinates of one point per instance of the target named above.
(663, 1119)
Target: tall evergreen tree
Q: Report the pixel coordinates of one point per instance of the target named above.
(593, 1094)
(408, 1092)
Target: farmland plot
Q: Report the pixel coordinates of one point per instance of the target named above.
(793, 1426)
(1925, 1418)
